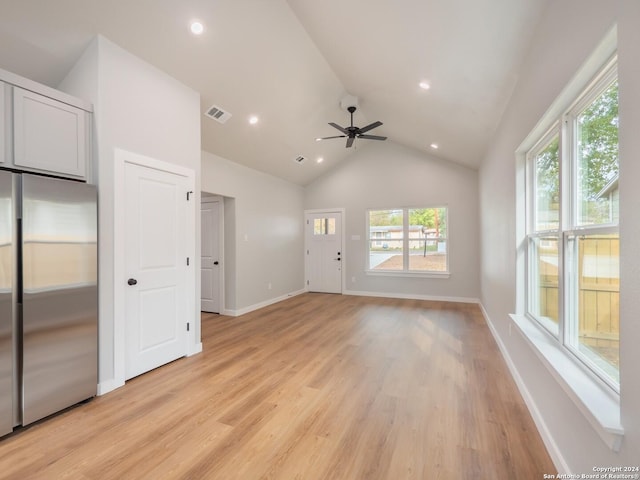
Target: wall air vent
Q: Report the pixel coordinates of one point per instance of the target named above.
(218, 114)
(299, 159)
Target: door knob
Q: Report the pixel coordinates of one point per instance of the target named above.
(216, 262)
(132, 281)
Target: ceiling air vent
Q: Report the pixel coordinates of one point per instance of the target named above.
(218, 114)
(299, 159)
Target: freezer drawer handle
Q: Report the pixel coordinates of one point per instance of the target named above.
(132, 281)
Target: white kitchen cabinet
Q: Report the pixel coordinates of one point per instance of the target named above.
(4, 121)
(49, 136)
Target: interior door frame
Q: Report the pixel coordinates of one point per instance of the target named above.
(221, 272)
(343, 269)
(194, 344)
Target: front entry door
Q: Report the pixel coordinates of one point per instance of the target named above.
(324, 251)
(156, 265)
(210, 259)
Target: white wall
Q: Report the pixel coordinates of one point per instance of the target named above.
(567, 34)
(140, 109)
(263, 233)
(386, 175)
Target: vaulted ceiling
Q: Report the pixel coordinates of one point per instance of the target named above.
(290, 62)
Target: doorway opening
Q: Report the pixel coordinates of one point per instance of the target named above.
(212, 264)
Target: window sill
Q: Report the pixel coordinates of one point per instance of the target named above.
(406, 274)
(596, 401)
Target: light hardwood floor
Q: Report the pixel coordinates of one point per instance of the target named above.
(316, 387)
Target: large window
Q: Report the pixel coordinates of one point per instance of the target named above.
(573, 280)
(412, 240)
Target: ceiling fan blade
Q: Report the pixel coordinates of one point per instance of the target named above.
(350, 141)
(327, 138)
(335, 125)
(372, 137)
(370, 127)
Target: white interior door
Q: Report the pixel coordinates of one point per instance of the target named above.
(210, 251)
(156, 264)
(324, 251)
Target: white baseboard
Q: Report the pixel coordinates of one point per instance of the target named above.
(113, 384)
(195, 349)
(554, 452)
(266, 303)
(411, 296)
(109, 386)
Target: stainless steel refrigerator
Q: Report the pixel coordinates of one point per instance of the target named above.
(48, 296)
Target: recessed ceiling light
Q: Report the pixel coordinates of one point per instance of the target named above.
(320, 160)
(253, 120)
(424, 85)
(434, 146)
(197, 28)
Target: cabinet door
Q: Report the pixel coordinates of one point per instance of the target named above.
(3, 125)
(49, 136)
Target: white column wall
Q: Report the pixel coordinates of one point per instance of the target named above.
(140, 109)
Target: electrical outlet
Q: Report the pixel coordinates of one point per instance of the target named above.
(269, 286)
(353, 279)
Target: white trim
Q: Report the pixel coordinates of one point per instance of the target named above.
(120, 158)
(594, 399)
(194, 349)
(266, 303)
(149, 162)
(549, 442)
(411, 296)
(119, 267)
(108, 386)
(609, 73)
(26, 84)
(343, 268)
(219, 199)
(408, 273)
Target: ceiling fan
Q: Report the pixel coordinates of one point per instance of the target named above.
(351, 133)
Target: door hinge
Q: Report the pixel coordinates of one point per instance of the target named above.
(307, 252)
(187, 326)
(307, 282)
(307, 222)
(187, 261)
(189, 193)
